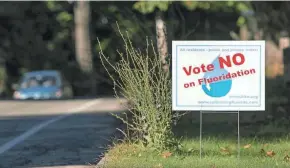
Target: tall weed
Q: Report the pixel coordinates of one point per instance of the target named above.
(143, 82)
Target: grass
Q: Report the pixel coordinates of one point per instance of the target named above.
(261, 147)
(126, 155)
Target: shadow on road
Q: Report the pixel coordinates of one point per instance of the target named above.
(78, 139)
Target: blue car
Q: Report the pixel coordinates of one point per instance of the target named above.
(46, 84)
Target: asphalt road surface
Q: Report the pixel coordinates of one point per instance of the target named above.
(56, 134)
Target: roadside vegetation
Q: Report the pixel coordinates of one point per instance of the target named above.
(219, 151)
(157, 137)
(147, 87)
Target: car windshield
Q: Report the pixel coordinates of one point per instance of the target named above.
(39, 81)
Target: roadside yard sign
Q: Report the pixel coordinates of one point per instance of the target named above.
(218, 75)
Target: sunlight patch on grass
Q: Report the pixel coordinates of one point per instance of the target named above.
(217, 152)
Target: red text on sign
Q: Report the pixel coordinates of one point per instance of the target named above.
(237, 59)
(197, 70)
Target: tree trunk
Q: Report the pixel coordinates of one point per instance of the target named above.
(161, 39)
(83, 41)
(207, 29)
(244, 32)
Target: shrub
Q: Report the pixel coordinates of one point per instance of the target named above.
(142, 81)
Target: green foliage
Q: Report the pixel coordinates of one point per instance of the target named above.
(64, 17)
(147, 87)
(241, 21)
(104, 44)
(242, 6)
(217, 152)
(149, 6)
(227, 6)
(2, 79)
(2, 73)
(146, 7)
(53, 5)
(37, 35)
(217, 5)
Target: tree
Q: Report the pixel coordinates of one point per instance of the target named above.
(83, 42)
(158, 8)
(26, 31)
(160, 25)
(162, 45)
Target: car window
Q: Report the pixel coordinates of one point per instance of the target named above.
(39, 81)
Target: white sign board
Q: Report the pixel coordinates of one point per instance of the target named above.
(218, 75)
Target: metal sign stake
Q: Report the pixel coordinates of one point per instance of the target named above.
(200, 131)
(238, 135)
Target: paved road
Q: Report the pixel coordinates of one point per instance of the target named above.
(55, 133)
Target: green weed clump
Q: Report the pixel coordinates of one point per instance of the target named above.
(147, 87)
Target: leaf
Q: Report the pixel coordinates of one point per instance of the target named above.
(242, 6)
(247, 146)
(241, 21)
(142, 7)
(270, 153)
(230, 3)
(63, 18)
(146, 7)
(262, 151)
(163, 6)
(265, 145)
(53, 6)
(287, 158)
(166, 154)
(225, 150)
(190, 150)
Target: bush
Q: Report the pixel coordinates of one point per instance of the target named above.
(143, 82)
